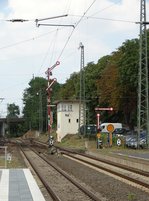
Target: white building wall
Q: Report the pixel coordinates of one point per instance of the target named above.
(67, 119)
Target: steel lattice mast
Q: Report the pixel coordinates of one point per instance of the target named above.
(82, 104)
(143, 105)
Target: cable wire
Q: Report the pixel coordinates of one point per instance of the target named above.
(102, 18)
(55, 36)
(27, 40)
(75, 28)
(113, 4)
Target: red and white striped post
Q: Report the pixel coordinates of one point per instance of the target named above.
(49, 89)
(98, 121)
(97, 109)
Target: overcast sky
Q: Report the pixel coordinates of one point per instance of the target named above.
(27, 50)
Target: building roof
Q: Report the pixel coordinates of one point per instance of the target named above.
(66, 101)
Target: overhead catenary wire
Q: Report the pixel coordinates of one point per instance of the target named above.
(66, 10)
(74, 29)
(49, 48)
(98, 18)
(42, 35)
(27, 40)
(81, 17)
(102, 18)
(56, 29)
(107, 7)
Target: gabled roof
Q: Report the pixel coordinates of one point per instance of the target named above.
(66, 101)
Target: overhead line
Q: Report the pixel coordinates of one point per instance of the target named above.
(75, 28)
(113, 4)
(54, 43)
(108, 19)
(48, 50)
(27, 40)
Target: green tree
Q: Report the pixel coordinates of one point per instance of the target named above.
(70, 90)
(14, 127)
(128, 64)
(13, 110)
(112, 82)
(35, 104)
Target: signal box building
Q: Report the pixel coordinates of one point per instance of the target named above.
(67, 118)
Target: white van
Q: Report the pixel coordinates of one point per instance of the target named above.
(103, 126)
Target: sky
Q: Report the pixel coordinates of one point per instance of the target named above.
(27, 50)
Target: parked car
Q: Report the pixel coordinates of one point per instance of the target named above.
(90, 130)
(120, 132)
(103, 126)
(134, 143)
(131, 141)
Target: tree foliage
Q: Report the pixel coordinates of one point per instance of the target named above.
(35, 104)
(13, 111)
(14, 127)
(112, 82)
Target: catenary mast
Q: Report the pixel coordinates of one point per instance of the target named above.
(82, 104)
(143, 105)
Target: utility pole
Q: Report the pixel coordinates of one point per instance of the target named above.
(40, 113)
(143, 105)
(82, 104)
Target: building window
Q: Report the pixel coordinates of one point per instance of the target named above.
(69, 108)
(77, 120)
(58, 108)
(69, 120)
(64, 108)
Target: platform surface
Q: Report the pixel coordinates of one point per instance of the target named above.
(18, 185)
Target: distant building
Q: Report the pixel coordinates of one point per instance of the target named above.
(67, 118)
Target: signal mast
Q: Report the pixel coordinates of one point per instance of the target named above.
(49, 90)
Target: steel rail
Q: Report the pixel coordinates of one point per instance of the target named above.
(50, 191)
(133, 170)
(87, 192)
(110, 171)
(124, 167)
(83, 189)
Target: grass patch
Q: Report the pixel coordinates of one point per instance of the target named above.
(73, 141)
(131, 197)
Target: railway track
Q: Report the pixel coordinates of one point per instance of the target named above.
(132, 176)
(58, 183)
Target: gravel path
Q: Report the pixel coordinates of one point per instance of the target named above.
(109, 188)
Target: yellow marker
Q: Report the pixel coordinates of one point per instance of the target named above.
(98, 135)
(110, 129)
